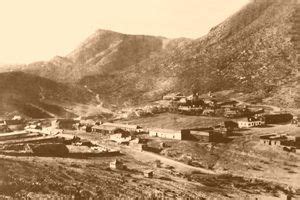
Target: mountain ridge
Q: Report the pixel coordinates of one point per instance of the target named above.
(252, 52)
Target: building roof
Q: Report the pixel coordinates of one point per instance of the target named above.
(123, 134)
(148, 171)
(128, 126)
(66, 120)
(116, 162)
(87, 121)
(16, 133)
(202, 133)
(244, 121)
(13, 122)
(101, 127)
(165, 130)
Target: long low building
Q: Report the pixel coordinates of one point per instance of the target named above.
(249, 124)
(111, 127)
(201, 136)
(13, 135)
(170, 134)
(126, 127)
(277, 118)
(103, 129)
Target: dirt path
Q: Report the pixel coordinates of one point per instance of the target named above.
(149, 156)
(43, 110)
(273, 108)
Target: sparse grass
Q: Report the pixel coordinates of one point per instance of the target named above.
(175, 121)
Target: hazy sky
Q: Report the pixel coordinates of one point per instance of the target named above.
(33, 30)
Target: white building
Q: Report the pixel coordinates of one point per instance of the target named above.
(249, 124)
(120, 137)
(126, 127)
(169, 134)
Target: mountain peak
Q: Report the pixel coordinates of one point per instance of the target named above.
(253, 51)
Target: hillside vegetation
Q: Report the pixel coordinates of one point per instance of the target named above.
(37, 97)
(253, 52)
(101, 53)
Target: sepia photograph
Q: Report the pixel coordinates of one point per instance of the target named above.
(150, 99)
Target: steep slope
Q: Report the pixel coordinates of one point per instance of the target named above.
(251, 52)
(102, 52)
(255, 51)
(37, 97)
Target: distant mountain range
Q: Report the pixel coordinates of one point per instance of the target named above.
(254, 52)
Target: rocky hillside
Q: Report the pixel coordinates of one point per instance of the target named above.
(101, 53)
(36, 97)
(253, 52)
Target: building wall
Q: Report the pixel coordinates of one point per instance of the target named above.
(166, 134)
(64, 124)
(216, 137)
(200, 136)
(96, 130)
(270, 142)
(16, 127)
(275, 143)
(245, 124)
(278, 118)
(118, 138)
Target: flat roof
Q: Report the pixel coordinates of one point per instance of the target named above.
(165, 130)
(120, 125)
(203, 133)
(16, 133)
(148, 171)
(249, 121)
(100, 127)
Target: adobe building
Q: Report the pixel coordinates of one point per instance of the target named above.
(121, 137)
(112, 126)
(116, 164)
(277, 118)
(138, 144)
(14, 125)
(68, 124)
(148, 173)
(250, 124)
(296, 121)
(201, 136)
(4, 128)
(103, 129)
(170, 134)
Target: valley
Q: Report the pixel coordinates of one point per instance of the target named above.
(126, 116)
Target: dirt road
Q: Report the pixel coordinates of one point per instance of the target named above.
(149, 156)
(273, 109)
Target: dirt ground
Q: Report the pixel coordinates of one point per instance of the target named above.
(38, 177)
(175, 121)
(241, 169)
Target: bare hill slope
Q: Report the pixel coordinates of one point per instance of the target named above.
(37, 97)
(254, 52)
